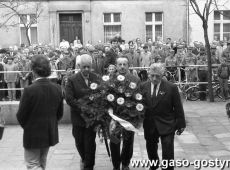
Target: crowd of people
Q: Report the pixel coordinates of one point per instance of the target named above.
(41, 105)
(141, 55)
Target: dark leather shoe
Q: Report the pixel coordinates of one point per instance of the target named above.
(125, 168)
(116, 168)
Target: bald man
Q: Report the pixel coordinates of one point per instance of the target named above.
(164, 115)
(124, 156)
(77, 87)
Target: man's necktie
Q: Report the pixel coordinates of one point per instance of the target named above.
(155, 90)
(154, 96)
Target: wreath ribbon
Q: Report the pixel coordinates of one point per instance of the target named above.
(128, 126)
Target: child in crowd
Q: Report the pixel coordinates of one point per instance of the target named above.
(111, 70)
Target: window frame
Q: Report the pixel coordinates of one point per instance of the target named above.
(154, 23)
(111, 23)
(34, 25)
(221, 21)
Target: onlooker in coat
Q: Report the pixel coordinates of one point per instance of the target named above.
(2, 94)
(111, 55)
(11, 78)
(40, 109)
(145, 60)
(226, 53)
(223, 75)
(202, 73)
(24, 75)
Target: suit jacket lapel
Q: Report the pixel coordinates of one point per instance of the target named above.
(81, 80)
(160, 95)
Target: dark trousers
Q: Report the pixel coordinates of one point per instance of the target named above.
(167, 143)
(2, 92)
(86, 146)
(203, 77)
(127, 150)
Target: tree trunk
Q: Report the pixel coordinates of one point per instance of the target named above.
(207, 46)
(27, 36)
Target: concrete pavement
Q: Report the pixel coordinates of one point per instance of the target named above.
(207, 137)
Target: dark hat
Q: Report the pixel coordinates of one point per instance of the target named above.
(145, 46)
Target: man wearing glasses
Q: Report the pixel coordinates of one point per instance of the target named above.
(164, 115)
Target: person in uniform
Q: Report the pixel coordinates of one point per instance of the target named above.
(202, 72)
(171, 63)
(190, 59)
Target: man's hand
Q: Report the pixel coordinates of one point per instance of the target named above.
(112, 126)
(100, 135)
(180, 131)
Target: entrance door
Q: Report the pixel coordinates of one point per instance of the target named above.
(70, 27)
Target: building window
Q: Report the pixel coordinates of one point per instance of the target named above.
(222, 25)
(112, 25)
(28, 19)
(153, 25)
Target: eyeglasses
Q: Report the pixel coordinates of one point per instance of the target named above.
(155, 75)
(86, 67)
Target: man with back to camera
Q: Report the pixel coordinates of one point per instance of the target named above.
(40, 109)
(164, 115)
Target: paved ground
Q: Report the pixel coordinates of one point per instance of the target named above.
(206, 137)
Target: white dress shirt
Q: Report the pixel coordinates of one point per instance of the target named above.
(157, 89)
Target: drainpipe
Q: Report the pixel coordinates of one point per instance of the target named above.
(91, 37)
(187, 8)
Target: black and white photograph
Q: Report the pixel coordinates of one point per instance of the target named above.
(114, 84)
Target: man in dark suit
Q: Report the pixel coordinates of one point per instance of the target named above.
(164, 115)
(126, 154)
(77, 87)
(40, 109)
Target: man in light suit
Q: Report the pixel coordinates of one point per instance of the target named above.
(164, 115)
(40, 109)
(77, 87)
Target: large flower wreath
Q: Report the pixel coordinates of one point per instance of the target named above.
(115, 99)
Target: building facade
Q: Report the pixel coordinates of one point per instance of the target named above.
(94, 20)
(218, 22)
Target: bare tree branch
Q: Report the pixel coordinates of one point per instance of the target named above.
(208, 9)
(196, 8)
(217, 8)
(17, 8)
(205, 5)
